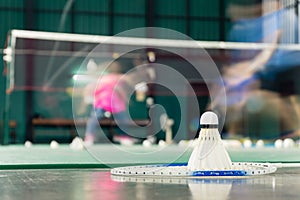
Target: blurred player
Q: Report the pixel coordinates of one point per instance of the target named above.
(109, 99)
(252, 79)
(111, 95)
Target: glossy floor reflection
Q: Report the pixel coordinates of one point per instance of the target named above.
(99, 184)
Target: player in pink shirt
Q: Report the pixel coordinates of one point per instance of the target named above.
(109, 98)
(109, 95)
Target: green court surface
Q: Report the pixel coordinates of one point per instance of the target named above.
(43, 157)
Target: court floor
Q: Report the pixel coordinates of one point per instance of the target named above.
(40, 172)
(99, 184)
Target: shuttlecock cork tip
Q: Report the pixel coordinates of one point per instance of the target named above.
(209, 118)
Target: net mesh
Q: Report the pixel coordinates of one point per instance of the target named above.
(50, 63)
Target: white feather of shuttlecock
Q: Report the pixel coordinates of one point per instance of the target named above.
(209, 152)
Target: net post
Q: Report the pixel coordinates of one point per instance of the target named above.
(9, 83)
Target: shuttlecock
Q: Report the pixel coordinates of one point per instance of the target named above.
(260, 144)
(147, 143)
(278, 144)
(54, 144)
(209, 152)
(288, 143)
(28, 144)
(162, 143)
(247, 143)
(77, 144)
